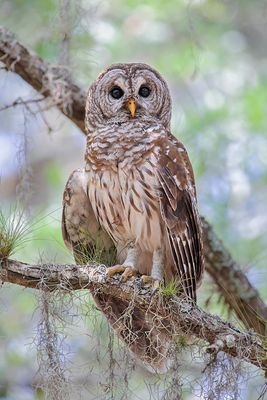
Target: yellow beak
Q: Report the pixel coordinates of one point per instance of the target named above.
(132, 107)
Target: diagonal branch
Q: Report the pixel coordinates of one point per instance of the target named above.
(49, 80)
(182, 317)
(232, 283)
(56, 82)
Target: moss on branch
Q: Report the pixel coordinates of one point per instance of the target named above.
(179, 317)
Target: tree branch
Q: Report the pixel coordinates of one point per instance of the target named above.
(182, 317)
(232, 283)
(48, 80)
(56, 82)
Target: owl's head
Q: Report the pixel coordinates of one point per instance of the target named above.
(124, 92)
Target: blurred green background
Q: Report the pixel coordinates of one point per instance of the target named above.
(214, 56)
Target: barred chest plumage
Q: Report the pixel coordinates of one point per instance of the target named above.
(123, 186)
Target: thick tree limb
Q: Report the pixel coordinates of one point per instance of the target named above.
(50, 81)
(232, 283)
(181, 317)
(55, 82)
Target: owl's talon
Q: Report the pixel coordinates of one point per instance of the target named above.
(148, 280)
(128, 273)
(116, 269)
(156, 286)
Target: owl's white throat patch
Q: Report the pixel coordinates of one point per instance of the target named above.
(122, 145)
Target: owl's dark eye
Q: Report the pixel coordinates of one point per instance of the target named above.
(116, 92)
(144, 91)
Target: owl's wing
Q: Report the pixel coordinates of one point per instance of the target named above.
(80, 229)
(178, 206)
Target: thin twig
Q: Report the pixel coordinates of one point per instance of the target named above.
(21, 102)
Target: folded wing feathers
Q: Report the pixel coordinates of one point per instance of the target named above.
(178, 207)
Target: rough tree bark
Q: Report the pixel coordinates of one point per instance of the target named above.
(178, 316)
(55, 82)
(232, 283)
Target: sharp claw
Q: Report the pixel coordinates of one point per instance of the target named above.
(142, 283)
(114, 270)
(128, 273)
(156, 284)
(122, 279)
(145, 279)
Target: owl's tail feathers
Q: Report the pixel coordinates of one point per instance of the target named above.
(141, 332)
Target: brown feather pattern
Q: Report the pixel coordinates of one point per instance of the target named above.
(137, 189)
(179, 210)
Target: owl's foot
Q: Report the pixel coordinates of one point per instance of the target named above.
(146, 279)
(116, 269)
(128, 272)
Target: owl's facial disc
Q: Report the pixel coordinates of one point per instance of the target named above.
(125, 93)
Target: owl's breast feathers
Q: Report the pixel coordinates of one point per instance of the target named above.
(123, 184)
(127, 144)
(141, 186)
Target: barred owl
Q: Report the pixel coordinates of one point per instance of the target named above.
(136, 193)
